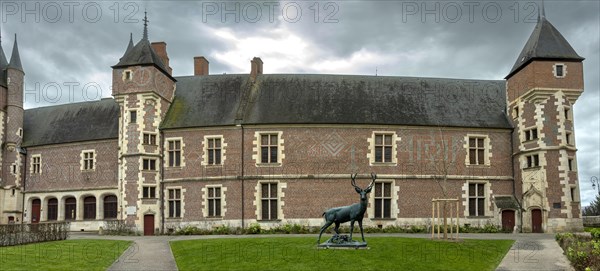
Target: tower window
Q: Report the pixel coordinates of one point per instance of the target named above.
(127, 75)
(567, 114)
(560, 70)
(133, 116)
(533, 161)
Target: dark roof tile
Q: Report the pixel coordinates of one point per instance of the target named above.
(67, 123)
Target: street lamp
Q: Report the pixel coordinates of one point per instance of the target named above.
(595, 182)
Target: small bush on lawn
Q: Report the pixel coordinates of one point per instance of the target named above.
(583, 251)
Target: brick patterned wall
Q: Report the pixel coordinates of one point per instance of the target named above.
(61, 167)
(540, 74)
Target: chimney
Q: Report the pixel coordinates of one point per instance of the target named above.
(256, 67)
(160, 48)
(200, 66)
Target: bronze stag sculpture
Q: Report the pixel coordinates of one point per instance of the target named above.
(352, 213)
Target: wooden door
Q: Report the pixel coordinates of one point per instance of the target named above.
(536, 220)
(36, 205)
(508, 220)
(148, 224)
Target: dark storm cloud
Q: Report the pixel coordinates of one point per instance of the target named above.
(387, 37)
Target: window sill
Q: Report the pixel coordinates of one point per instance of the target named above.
(214, 218)
(88, 170)
(148, 170)
(173, 168)
(268, 164)
(478, 166)
(213, 165)
(174, 218)
(532, 168)
(530, 141)
(268, 220)
(384, 164)
(479, 217)
(383, 219)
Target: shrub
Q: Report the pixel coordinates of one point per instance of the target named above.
(582, 251)
(119, 227)
(253, 228)
(18, 234)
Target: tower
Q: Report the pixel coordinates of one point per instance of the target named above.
(11, 116)
(542, 87)
(144, 89)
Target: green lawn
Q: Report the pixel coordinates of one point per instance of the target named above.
(300, 253)
(62, 255)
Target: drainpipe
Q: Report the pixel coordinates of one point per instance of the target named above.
(242, 176)
(24, 179)
(161, 185)
(512, 166)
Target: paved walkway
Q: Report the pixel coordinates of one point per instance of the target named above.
(529, 252)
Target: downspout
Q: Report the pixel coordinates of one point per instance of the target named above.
(242, 176)
(512, 166)
(24, 179)
(162, 179)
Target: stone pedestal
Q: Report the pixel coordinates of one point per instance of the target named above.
(342, 242)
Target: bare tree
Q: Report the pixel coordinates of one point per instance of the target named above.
(439, 158)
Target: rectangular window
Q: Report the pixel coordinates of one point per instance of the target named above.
(383, 200)
(174, 199)
(149, 164)
(214, 151)
(88, 160)
(476, 151)
(149, 139)
(174, 152)
(268, 148)
(571, 164)
(559, 70)
(133, 116)
(573, 193)
(569, 138)
(533, 161)
(128, 75)
(383, 148)
(567, 115)
(476, 199)
(269, 201)
(214, 201)
(36, 164)
(516, 111)
(531, 134)
(149, 192)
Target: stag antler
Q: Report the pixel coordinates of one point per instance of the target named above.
(373, 177)
(354, 180)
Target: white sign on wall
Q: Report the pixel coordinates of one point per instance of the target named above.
(131, 210)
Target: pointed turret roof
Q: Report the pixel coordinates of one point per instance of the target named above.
(3, 61)
(15, 59)
(3, 65)
(544, 43)
(142, 53)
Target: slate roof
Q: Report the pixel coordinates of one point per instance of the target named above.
(3, 65)
(142, 54)
(544, 43)
(217, 100)
(506, 202)
(68, 123)
(15, 58)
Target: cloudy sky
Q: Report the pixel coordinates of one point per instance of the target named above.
(67, 48)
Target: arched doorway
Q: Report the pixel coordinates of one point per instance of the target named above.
(36, 206)
(508, 220)
(536, 221)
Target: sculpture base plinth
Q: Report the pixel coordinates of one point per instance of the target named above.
(342, 242)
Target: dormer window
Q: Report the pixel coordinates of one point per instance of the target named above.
(560, 70)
